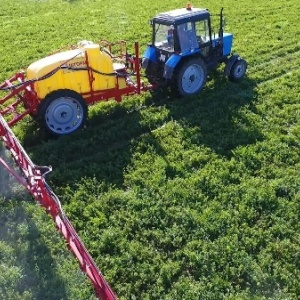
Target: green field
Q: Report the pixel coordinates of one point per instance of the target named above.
(189, 198)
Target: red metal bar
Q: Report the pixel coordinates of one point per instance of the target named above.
(34, 180)
(12, 79)
(137, 67)
(90, 75)
(13, 92)
(25, 100)
(121, 46)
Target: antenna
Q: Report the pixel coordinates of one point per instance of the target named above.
(221, 25)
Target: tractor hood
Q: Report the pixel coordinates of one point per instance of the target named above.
(227, 42)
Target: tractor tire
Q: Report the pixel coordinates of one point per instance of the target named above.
(191, 77)
(238, 70)
(62, 112)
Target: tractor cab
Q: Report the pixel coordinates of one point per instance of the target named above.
(181, 30)
(183, 35)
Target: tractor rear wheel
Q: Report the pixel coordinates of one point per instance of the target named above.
(238, 70)
(63, 112)
(153, 73)
(191, 77)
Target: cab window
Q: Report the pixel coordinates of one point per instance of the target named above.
(187, 36)
(164, 37)
(202, 31)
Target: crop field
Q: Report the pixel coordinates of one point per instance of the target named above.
(175, 198)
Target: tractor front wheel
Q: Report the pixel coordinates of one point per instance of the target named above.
(238, 70)
(191, 77)
(63, 112)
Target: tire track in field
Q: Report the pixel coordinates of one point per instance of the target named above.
(292, 71)
(287, 58)
(266, 55)
(276, 67)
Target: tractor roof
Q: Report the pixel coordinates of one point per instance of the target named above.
(181, 15)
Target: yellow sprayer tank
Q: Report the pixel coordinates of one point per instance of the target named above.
(73, 73)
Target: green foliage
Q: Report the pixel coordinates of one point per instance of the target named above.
(191, 198)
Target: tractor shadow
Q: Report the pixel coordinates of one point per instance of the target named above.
(223, 114)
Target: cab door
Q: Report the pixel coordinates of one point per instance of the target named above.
(203, 36)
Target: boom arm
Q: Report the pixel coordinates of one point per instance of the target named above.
(34, 181)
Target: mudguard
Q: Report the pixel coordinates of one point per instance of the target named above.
(149, 55)
(170, 65)
(230, 63)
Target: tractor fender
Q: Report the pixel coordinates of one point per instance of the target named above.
(149, 55)
(170, 65)
(230, 63)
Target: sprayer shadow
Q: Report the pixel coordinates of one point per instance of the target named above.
(29, 254)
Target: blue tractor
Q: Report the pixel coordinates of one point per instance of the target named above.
(184, 48)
